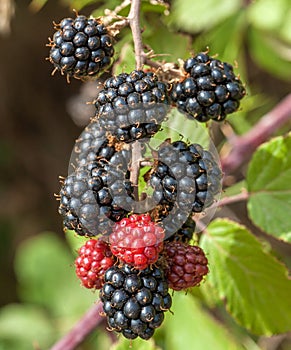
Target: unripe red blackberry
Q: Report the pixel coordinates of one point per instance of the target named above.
(94, 259)
(132, 106)
(81, 47)
(135, 301)
(137, 241)
(186, 265)
(210, 89)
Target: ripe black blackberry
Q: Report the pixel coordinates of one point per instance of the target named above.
(98, 193)
(210, 90)
(185, 233)
(185, 179)
(135, 301)
(88, 144)
(81, 47)
(132, 106)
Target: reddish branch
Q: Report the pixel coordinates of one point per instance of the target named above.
(81, 330)
(244, 146)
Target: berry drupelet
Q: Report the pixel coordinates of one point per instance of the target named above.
(135, 301)
(132, 106)
(81, 47)
(210, 89)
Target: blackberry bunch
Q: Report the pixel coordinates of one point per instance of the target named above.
(81, 47)
(98, 193)
(135, 301)
(94, 259)
(185, 176)
(186, 265)
(210, 90)
(132, 106)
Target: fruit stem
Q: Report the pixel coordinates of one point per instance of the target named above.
(134, 22)
(136, 158)
(80, 331)
(244, 146)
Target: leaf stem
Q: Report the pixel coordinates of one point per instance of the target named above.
(244, 146)
(81, 330)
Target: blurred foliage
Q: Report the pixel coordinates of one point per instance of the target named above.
(256, 37)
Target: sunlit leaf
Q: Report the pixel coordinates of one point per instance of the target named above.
(253, 284)
(269, 181)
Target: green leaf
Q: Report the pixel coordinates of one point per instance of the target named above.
(194, 16)
(191, 327)
(273, 10)
(22, 326)
(45, 270)
(37, 5)
(126, 57)
(136, 344)
(270, 53)
(269, 181)
(254, 285)
(177, 126)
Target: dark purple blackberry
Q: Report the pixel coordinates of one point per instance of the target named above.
(98, 193)
(81, 47)
(210, 90)
(132, 106)
(135, 301)
(185, 179)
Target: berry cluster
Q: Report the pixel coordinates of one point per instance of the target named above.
(132, 106)
(136, 258)
(81, 47)
(210, 90)
(135, 301)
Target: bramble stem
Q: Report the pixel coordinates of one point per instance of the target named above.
(134, 21)
(244, 146)
(244, 195)
(81, 330)
(136, 158)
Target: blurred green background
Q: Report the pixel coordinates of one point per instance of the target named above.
(40, 297)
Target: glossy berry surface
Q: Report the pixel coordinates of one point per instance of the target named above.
(134, 301)
(210, 89)
(137, 241)
(98, 192)
(81, 47)
(132, 106)
(94, 259)
(186, 265)
(185, 178)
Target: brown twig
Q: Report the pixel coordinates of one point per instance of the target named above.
(134, 21)
(81, 329)
(244, 146)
